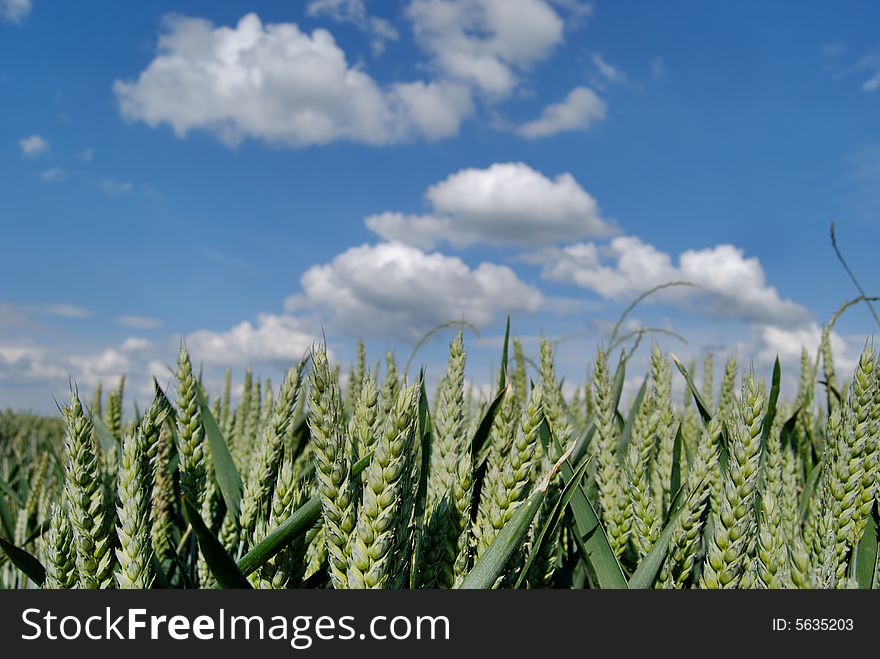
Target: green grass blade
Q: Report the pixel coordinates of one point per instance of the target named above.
(675, 478)
(865, 558)
(807, 494)
(485, 427)
(597, 550)
(705, 414)
(425, 440)
(108, 441)
(6, 519)
(161, 580)
(617, 383)
(502, 376)
(220, 563)
(299, 522)
(647, 570)
(549, 527)
(166, 404)
(493, 562)
(42, 528)
(25, 562)
(626, 433)
(786, 435)
(228, 478)
(770, 414)
(6, 488)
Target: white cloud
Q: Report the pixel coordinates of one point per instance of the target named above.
(15, 11)
(658, 68)
(25, 362)
(65, 311)
(139, 322)
(274, 339)
(115, 188)
(280, 85)
(34, 145)
(872, 84)
(580, 109)
(769, 341)
(506, 203)
(87, 155)
(435, 109)
(577, 8)
(485, 42)
(788, 343)
(14, 354)
(395, 289)
(52, 174)
(379, 29)
(110, 364)
(136, 344)
(731, 285)
(607, 70)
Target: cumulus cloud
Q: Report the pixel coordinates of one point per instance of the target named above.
(434, 109)
(34, 145)
(14, 354)
(14, 11)
(580, 109)
(379, 29)
(486, 42)
(788, 342)
(399, 290)
(277, 339)
(506, 203)
(280, 85)
(109, 364)
(769, 341)
(136, 344)
(731, 285)
(25, 362)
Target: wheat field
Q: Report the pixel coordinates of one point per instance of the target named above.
(384, 484)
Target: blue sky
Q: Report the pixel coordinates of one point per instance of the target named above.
(246, 175)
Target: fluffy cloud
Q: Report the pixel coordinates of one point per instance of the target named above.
(108, 365)
(136, 344)
(34, 145)
(578, 111)
(277, 339)
(769, 341)
(14, 11)
(788, 343)
(380, 30)
(396, 289)
(278, 84)
(25, 362)
(434, 109)
(485, 42)
(507, 203)
(731, 285)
